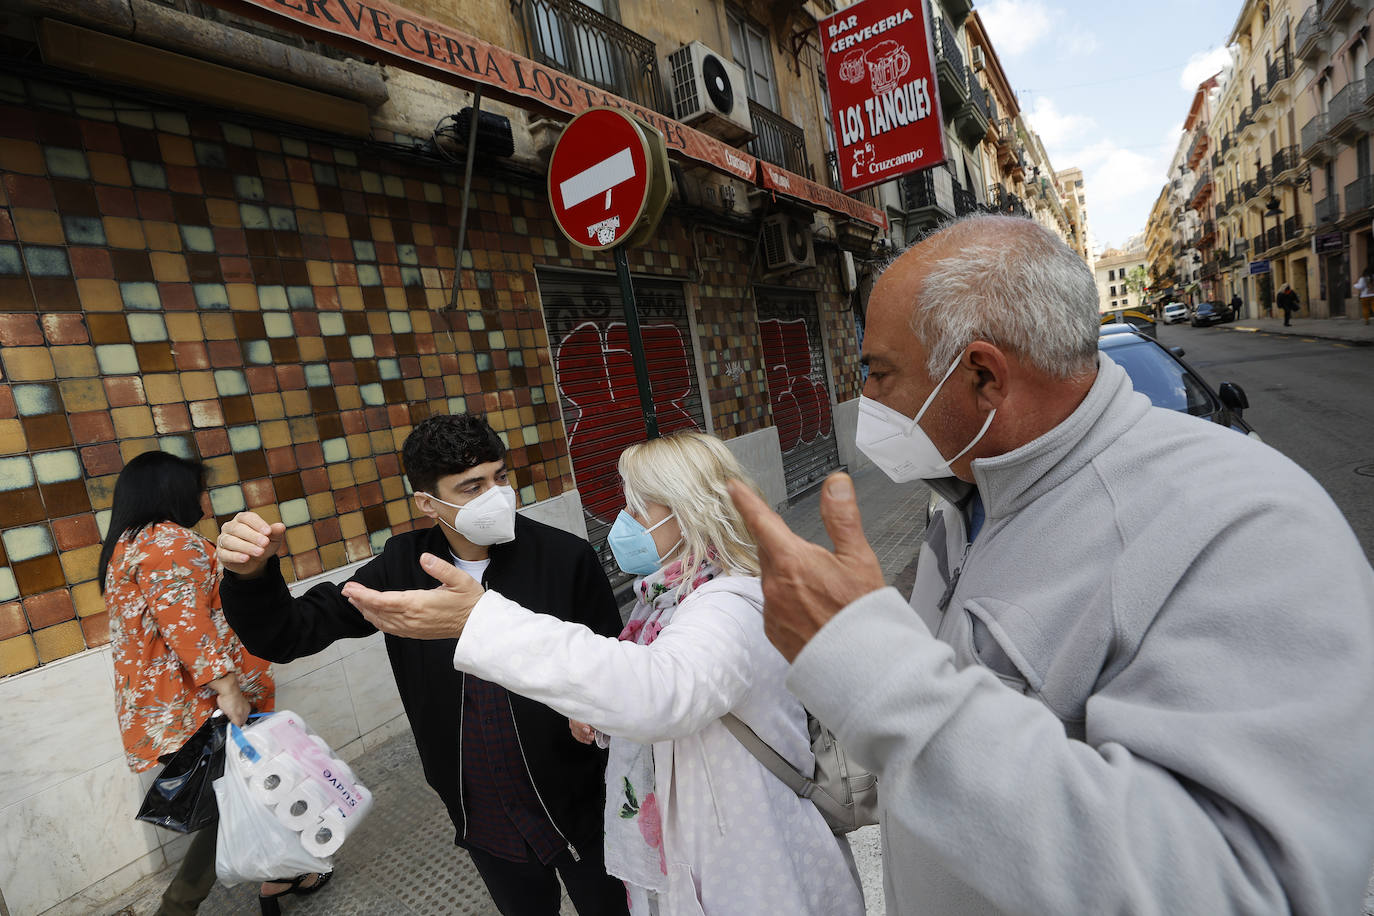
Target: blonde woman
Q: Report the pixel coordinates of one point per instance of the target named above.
(694, 823)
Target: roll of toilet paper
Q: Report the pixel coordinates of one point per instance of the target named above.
(272, 780)
(302, 807)
(326, 836)
(359, 811)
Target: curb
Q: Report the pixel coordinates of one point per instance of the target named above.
(1253, 330)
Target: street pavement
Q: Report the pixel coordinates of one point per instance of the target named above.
(1351, 331)
(402, 860)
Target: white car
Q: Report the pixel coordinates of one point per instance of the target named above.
(1175, 312)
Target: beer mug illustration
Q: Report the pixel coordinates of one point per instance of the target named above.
(852, 67)
(888, 62)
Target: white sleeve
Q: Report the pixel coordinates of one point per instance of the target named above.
(695, 671)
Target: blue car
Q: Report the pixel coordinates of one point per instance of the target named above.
(1160, 374)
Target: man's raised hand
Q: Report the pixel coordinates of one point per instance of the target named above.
(425, 613)
(804, 585)
(247, 542)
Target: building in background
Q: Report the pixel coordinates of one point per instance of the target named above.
(1288, 133)
(1076, 207)
(1122, 275)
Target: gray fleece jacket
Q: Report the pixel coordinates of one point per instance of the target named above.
(1146, 687)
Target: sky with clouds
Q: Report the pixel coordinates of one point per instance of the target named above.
(1107, 86)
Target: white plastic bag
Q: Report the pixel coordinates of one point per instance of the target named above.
(260, 839)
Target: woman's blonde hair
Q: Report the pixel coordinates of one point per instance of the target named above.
(688, 473)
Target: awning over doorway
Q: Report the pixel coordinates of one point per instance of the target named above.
(397, 36)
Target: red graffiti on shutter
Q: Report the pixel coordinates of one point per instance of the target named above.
(801, 406)
(596, 376)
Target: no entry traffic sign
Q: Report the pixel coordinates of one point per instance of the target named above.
(608, 179)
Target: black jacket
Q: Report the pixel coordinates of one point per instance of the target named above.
(543, 569)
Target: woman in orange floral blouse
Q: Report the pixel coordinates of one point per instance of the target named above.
(175, 658)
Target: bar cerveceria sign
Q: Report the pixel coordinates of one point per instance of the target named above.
(884, 106)
(608, 179)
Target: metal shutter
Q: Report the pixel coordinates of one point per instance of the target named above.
(794, 360)
(596, 381)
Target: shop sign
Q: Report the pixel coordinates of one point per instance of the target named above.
(1259, 267)
(884, 101)
(1328, 242)
(387, 33)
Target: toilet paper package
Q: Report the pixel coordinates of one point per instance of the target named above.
(287, 803)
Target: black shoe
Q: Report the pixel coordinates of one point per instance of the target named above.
(268, 904)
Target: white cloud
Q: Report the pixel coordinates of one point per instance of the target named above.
(1016, 25)
(1056, 128)
(1202, 65)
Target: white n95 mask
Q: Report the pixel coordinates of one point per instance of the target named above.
(488, 519)
(897, 444)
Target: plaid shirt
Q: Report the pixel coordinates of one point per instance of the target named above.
(504, 814)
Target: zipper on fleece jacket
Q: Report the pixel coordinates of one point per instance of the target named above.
(520, 744)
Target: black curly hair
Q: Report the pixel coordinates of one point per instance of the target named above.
(448, 444)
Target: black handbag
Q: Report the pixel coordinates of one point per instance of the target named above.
(182, 797)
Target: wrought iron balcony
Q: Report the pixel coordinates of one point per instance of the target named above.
(1231, 200)
(1257, 244)
(1209, 229)
(1284, 160)
(1001, 200)
(949, 66)
(576, 39)
(1347, 107)
(1327, 209)
(1273, 237)
(1239, 247)
(1313, 133)
(1209, 270)
(1257, 100)
(965, 201)
(1292, 227)
(1247, 117)
(1359, 194)
(1279, 69)
(1307, 36)
(928, 193)
(1369, 83)
(1249, 190)
(778, 140)
(1201, 187)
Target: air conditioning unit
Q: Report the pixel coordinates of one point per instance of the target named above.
(978, 58)
(787, 243)
(708, 92)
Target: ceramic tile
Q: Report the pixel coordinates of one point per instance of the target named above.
(58, 855)
(57, 467)
(27, 542)
(322, 698)
(372, 684)
(58, 747)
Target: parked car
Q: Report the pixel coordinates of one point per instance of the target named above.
(1160, 374)
(1209, 313)
(1175, 312)
(1131, 317)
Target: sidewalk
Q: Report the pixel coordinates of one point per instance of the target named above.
(1351, 331)
(402, 860)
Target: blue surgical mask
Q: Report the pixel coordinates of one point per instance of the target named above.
(633, 545)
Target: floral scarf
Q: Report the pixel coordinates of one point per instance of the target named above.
(634, 828)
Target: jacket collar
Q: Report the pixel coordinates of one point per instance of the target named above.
(1011, 481)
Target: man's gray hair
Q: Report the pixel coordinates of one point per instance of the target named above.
(1013, 283)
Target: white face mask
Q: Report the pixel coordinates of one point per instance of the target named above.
(897, 444)
(488, 519)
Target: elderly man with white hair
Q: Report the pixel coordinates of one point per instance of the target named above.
(1136, 672)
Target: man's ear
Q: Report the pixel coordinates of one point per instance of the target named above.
(992, 372)
(425, 504)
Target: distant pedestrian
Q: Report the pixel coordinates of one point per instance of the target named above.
(1288, 302)
(1236, 305)
(1364, 288)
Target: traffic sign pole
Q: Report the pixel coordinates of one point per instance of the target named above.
(609, 183)
(641, 364)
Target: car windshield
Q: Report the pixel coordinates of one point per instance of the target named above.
(1162, 379)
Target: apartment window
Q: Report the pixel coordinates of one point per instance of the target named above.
(1113, 291)
(750, 47)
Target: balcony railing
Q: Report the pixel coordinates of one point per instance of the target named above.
(1273, 237)
(1284, 159)
(1247, 117)
(1239, 248)
(1249, 190)
(1369, 83)
(965, 201)
(1359, 194)
(778, 140)
(576, 39)
(1307, 35)
(947, 49)
(1345, 106)
(1231, 199)
(1209, 270)
(1200, 187)
(1209, 229)
(1257, 99)
(1001, 200)
(1226, 143)
(1257, 244)
(1326, 209)
(1313, 132)
(978, 95)
(1279, 69)
(1292, 227)
(920, 191)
